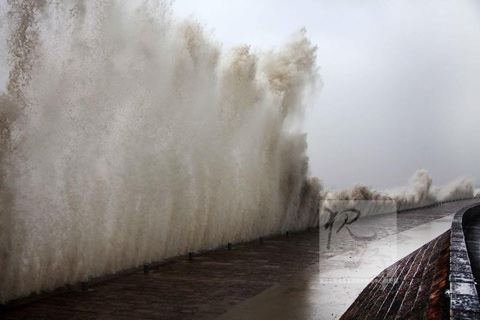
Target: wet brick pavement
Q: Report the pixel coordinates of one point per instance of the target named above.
(211, 283)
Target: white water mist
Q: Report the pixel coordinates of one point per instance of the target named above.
(419, 192)
(128, 136)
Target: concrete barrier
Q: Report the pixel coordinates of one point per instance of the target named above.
(464, 245)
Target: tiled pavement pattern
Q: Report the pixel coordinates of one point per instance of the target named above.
(208, 285)
(184, 289)
(412, 288)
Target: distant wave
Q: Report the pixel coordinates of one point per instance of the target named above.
(419, 192)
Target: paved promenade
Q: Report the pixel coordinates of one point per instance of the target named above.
(225, 283)
(326, 290)
(417, 290)
(184, 289)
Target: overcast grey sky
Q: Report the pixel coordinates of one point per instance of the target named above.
(401, 81)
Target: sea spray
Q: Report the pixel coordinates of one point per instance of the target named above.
(419, 192)
(129, 136)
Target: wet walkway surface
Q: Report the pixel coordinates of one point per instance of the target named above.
(182, 289)
(345, 275)
(412, 288)
(326, 290)
(227, 283)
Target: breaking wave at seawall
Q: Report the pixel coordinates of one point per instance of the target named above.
(128, 136)
(418, 193)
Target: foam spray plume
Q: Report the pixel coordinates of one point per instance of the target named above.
(128, 136)
(418, 193)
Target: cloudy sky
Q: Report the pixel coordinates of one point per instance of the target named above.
(401, 81)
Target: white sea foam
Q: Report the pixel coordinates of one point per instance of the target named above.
(417, 193)
(128, 136)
